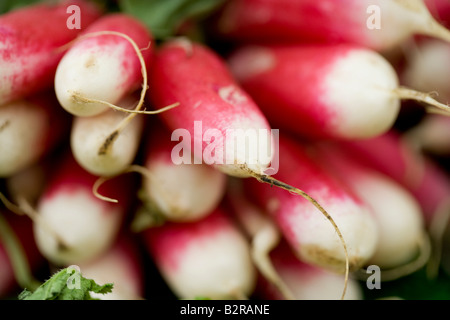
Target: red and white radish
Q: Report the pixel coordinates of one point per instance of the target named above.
(209, 258)
(325, 91)
(103, 65)
(94, 152)
(376, 24)
(120, 265)
(313, 238)
(395, 157)
(305, 281)
(29, 57)
(211, 103)
(29, 129)
(72, 225)
(180, 192)
(402, 232)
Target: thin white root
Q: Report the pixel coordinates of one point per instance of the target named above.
(274, 182)
(433, 106)
(264, 241)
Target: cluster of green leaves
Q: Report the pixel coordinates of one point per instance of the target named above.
(60, 287)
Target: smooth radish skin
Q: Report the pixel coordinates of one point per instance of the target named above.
(28, 59)
(208, 258)
(19, 256)
(120, 265)
(72, 225)
(400, 220)
(180, 192)
(375, 24)
(101, 68)
(305, 281)
(313, 238)
(440, 9)
(197, 78)
(29, 129)
(324, 91)
(88, 135)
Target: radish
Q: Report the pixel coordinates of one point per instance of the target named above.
(375, 24)
(305, 281)
(103, 65)
(28, 58)
(213, 113)
(210, 104)
(403, 243)
(440, 9)
(29, 129)
(179, 192)
(324, 91)
(19, 256)
(71, 224)
(313, 238)
(395, 157)
(120, 265)
(87, 140)
(208, 258)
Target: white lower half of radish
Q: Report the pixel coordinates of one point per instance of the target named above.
(399, 217)
(89, 134)
(312, 283)
(23, 127)
(185, 192)
(360, 88)
(318, 242)
(219, 267)
(93, 72)
(84, 223)
(249, 146)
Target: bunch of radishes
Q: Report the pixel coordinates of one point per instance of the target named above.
(112, 148)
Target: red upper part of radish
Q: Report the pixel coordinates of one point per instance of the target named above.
(332, 91)
(28, 58)
(103, 67)
(209, 97)
(376, 24)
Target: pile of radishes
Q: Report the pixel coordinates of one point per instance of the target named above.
(112, 149)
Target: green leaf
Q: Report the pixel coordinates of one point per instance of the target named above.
(67, 284)
(164, 17)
